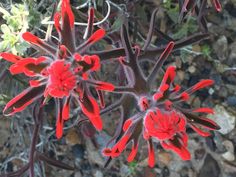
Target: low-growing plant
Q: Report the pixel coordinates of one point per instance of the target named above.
(66, 69)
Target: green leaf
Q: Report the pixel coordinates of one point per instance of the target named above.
(117, 24)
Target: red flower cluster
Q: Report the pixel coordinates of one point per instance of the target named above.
(65, 73)
(161, 119)
(62, 74)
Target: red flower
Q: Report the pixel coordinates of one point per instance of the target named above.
(63, 74)
(161, 119)
(168, 127)
(61, 80)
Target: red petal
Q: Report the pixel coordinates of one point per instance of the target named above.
(105, 86)
(91, 109)
(21, 101)
(29, 37)
(143, 103)
(168, 78)
(200, 85)
(34, 83)
(127, 124)
(26, 66)
(106, 152)
(99, 34)
(217, 5)
(66, 109)
(157, 96)
(204, 110)
(133, 152)
(184, 96)
(59, 129)
(121, 144)
(67, 12)
(199, 131)
(10, 57)
(151, 154)
(179, 148)
(95, 60)
(57, 18)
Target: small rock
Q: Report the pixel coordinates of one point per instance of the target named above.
(209, 168)
(229, 155)
(232, 55)
(98, 174)
(192, 69)
(72, 137)
(224, 119)
(221, 48)
(231, 101)
(164, 157)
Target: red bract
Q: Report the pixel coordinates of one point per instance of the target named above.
(161, 119)
(63, 74)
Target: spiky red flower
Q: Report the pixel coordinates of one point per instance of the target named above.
(161, 119)
(63, 74)
(61, 79)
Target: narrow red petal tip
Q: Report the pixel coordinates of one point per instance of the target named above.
(34, 83)
(202, 84)
(105, 86)
(168, 50)
(199, 131)
(151, 158)
(10, 57)
(29, 37)
(99, 34)
(57, 18)
(106, 152)
(97, 123)
(66, 111)
(66, 11)
(169, 76)
(133, 153)
(204, 110)
(127, 124)
(217, 5)
(59, 129)
(184, 96)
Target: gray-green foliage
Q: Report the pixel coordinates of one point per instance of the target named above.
(16, 23)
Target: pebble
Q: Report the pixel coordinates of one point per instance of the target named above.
(231, 100)
(192, 69)
(224, 119)
(221, 48)
(229, 155)
(98, 174)
(72, 137)
(164, 157)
